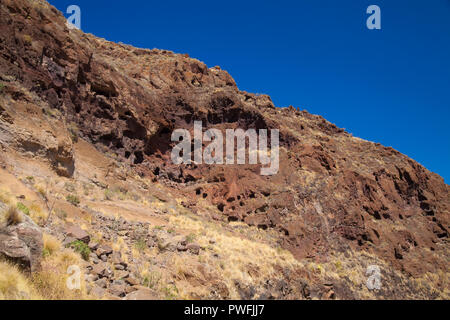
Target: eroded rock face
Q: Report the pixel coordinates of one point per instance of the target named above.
(333, 192)
(22, 244)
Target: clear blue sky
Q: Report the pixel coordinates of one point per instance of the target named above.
(390, 86)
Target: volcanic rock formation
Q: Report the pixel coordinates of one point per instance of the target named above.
(333, 195)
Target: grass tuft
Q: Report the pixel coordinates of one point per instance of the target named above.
(73, 199)
(23, 208)
(82, 248)
(13, 216)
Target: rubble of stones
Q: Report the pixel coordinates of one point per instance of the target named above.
(107, 274)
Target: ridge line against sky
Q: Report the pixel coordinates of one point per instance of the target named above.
(390, 86)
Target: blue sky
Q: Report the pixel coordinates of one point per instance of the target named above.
(390, 86)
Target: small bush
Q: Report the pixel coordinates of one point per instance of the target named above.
(73, 131)
(2, 87)
(46, 253)
(109, 194)
(151, 279)
(140, 245)
(171, 292)
(51, 281)
(13, 216)
(42, 192)
(51, 244)
(73, 199)
(5, 197)
(23, 208)
(37, 214)
(82, 248)
(27, 39)
(190, 238)
(14, 285)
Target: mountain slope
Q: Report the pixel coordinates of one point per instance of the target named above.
(78, 108)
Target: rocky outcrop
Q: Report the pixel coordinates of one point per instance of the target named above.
(22, 244)
(334, 193)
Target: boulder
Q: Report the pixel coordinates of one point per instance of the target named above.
(104, 250)
(122, 274)
(167, 242)
(15, 250)
(101, 283)
(132, 281)
(98, 292)
(93, 246)
(22, 244)
(76, 232)
(102, 270)
(118, 290)
(193, 248)
(119, 267)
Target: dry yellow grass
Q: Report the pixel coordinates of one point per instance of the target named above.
(13, 216)
(38, 215)
(14, 285)
(5, 196)
(51, 244)
(51, 281)
(241, 259)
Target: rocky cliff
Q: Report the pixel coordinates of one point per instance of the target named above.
(79, 110)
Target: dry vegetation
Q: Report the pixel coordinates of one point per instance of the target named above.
(14, 285)
(50, 282)
(47, 284)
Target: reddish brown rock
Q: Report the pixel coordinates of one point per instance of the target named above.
(333, 193)
(22, 244)
(77, 233)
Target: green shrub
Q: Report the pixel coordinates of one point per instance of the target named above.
(140, 245)
(151, 279)
(23, 208)
(82, 248)
(73, 199)
(171, 292)
(190, 238)
(46, 253)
